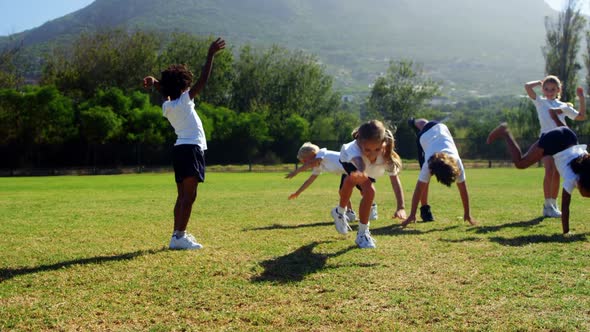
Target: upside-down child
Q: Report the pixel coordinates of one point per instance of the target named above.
(547, 104)
(323, 160)
(441, 160)
(571, 160)
(369, 156)
(189, 149)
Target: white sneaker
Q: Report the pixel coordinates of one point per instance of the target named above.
(373, 215)
(340, 221)
(364, 240)
(551, 212)
(188, 241)
(351, 215)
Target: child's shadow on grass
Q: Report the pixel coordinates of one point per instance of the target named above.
(9, 273)
(296, 265)
(279, 226)
(396, 229)
(528, 223)
(528, 239)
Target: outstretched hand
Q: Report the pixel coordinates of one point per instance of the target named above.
(411, 219)
(580, 92)
(399, 214)
(216, 46)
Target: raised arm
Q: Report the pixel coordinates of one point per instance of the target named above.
(529, 87)
(582, 108)
(396, 185)
(150, 81)
(215, 47)
(462, 186)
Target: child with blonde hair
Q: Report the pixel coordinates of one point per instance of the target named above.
(368, 156)
(319, 161)
(441, 159)
(546, 104)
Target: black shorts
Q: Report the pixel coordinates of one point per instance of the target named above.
(188, 160)
(557, 140)
(349, 168)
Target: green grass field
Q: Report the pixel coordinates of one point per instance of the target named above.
(89, 253)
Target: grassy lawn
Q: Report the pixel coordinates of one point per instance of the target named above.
(89, 253)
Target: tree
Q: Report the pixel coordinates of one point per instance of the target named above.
(10, 77)
(401, 93)
(112, 58)
(192, 51)
(562, 47)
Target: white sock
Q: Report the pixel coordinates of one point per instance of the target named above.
(341, 209)
(550, 201)
(179, 234)
(363, 228)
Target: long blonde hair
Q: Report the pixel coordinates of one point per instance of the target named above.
(375, 130)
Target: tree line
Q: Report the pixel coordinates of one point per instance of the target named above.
(258, 105)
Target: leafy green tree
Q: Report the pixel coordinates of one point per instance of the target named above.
(38, 115)
(112, 58)
(563, 42)
(401, 93)
(191, 51)
(10, 77)
(99, 124)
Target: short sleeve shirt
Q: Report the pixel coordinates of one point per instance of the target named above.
(439, 139)
(562, 163)
(187, 125)
(374, 170)
(330, 162)
(543, 105)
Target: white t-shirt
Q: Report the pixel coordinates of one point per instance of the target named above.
(187, 124)
(330, 162)
(438, 139)
(374, 170)
(543, 105)
(562, 160)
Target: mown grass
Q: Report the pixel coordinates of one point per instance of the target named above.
(89, 253)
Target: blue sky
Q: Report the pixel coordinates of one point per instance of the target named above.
(20, 15)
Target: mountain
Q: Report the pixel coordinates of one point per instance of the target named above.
(473, 47)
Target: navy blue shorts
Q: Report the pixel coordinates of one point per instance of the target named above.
(188, 160)
(557, 140)
(349, 168)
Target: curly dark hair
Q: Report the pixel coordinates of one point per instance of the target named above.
(175, 80)
(581, 166)
(444, 167)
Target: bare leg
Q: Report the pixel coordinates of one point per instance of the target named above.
(533, 155)
(366, 201)
(187, 194)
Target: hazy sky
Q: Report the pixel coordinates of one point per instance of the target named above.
(20, 15)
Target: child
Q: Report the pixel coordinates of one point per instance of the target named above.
(571, 159)
(369, 156)
(551, 87)
(441, 159)
(188, 151)
(319, 160)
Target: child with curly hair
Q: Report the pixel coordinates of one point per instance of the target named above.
(441, 158)
(188, 152)
(369, 156)
(571, 159)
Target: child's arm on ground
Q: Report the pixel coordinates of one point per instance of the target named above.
(215, 47)
(150, 81)
(529, 87)
(565, 211)
(304, 186)
(465, 200)
(310, 164)
(582, 108)
(415, 199)
(396, 185)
